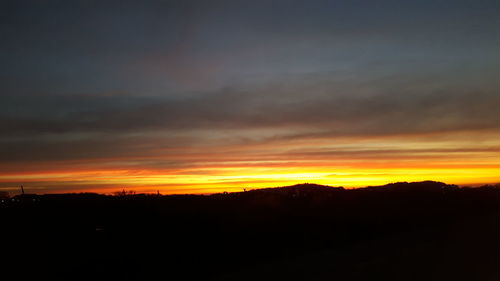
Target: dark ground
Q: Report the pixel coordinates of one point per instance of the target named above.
(417, 231)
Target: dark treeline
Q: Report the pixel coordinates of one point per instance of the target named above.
(402, 231)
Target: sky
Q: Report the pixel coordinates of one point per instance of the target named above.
(210, 96)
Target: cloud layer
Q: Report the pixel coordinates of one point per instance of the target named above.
(197, 95)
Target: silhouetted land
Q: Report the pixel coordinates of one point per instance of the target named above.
(403, 231)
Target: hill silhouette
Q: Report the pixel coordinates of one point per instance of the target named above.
(400, 231)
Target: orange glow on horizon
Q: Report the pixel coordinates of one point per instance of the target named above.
(238, 178)
(349, 162)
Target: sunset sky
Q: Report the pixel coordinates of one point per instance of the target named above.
(210, 96)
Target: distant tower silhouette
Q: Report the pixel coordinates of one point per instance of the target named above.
(22, 190)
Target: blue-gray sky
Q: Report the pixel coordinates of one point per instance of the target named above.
(90, 81)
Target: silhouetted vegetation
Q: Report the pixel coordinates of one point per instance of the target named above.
(401, 231)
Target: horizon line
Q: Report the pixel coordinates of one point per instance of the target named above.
(133, 192)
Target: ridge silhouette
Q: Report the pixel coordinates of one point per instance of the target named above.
(399, 231)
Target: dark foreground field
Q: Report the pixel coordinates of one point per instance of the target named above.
(417, 231)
